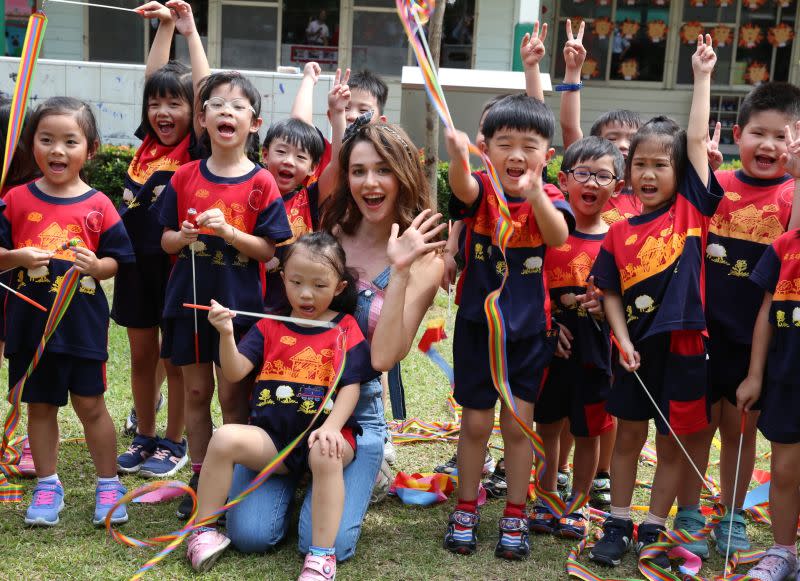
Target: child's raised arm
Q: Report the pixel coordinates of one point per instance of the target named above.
(464, 187)
(703, 61)
(550, 221)
(531, 52)
(750, 389)
(159, 51)
(303, 106)
(570, 114)
(791, 164)
(338, 100)
(235, 366)
(184, 23)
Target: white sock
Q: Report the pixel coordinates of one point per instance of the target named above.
(623, 512)
(52, 478)
(105, 480)
(652, 519)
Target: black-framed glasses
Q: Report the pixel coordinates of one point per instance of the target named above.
(583, 174)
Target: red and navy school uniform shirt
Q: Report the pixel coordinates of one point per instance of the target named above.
(323, 161)
(567, 270)
(251, 203)
(752, 215)
(302, 211)
(524, 301)
(148, 174)
(655, 261)
(33, 218)
(778, 273)
(621, 206)
(296, 366)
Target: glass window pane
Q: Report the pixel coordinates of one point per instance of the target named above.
(590, 9)
(311, 33)
(377, 3)
(709, 10)
(249, 37)
(457, 34)
(379, 43)
(754, 53)
(640, 40)
(105, 27)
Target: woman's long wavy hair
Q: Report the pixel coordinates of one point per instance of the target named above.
(396, 149)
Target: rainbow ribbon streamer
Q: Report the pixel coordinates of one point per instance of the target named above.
(9, 455)
(34, 35)
(174, 539)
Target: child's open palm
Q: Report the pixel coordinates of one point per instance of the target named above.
(532, 50)
(339, 96)
(791, 159)
(574, 51)
(531, 182)
(417, 240)
(704, 57)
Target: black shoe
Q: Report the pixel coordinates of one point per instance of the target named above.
(462, 546)
(495, 485)
(616, 540)
(186, 505)
(513, 552)
(648, 534)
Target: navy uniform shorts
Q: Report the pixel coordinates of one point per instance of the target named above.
(528, 359)
(576, 392)
(674, 369)
(56, 376)
(139, 290)
(728, 364)
(177, 340)
(780, 411)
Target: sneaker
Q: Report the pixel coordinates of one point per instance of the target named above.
(562, 484)
(25, 465)
(389, 452)
(600, 493)
(106, 495)
(738, 534)
(451, 466)
(131, 460)
(166, 460)
(383, 482)
(508, 547)
(692, 521)
(776, 565)
(615, 542)
(573, 525)
(186, 505)
(204, 547)
(132, 422)
(495, 485)
(48, 501)
(318, 568)
(541, 520)
(463, 542)
(648, 534)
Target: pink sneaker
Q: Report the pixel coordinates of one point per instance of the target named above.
(204, 548)
(318, 568)
(25, 465)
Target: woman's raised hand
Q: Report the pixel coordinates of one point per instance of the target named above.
(417, 240)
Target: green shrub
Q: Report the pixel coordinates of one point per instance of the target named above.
(733, 164)
(107, 169)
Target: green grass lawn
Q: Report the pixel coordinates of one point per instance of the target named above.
(397, 542)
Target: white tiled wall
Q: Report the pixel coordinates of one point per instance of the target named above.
(115, 92)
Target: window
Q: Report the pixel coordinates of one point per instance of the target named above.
(14, 24)
(310, 32)
(249, 37)
(106, 40)
(624, 39)
(457, 34)
(379, 41)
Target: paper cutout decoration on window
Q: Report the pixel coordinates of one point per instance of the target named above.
(602, 27)
(750, 35)
(629, 28)
(656, 31)
(724, 3)
(722, 35)
(756, 72)
(629, 69)
(603, 2)
(697, 3)
(630, 2)
(690, 31)
(783, 3)
(590, 68)
(660, 2)
(781, 35)
(754, 4)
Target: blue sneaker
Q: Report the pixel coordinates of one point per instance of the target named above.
(692, 521)
(142, 447)
(738, 534)
(166, 460)
(48, 501)
(105, 496)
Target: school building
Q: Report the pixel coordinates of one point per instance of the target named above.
(639, 51)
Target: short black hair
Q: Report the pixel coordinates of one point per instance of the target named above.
(674, 138)
(234, 79)
(368, 81)
(775, 96)
(174, 79)
(621, 116)
(297, 133)
(590, 149)
(488, 105)
(522, 113)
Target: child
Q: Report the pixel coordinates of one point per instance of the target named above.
(650, 269)
(239, 218)
(38, 219)
(167, 135)
(775, 346)
(319, 287)
(757, 208)
(517, 133)
(578, 382)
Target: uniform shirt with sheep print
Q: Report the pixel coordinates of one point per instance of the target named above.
(295, 367)
(752, 215)
(655, 261)
(621, 206)
(567, 270)
(524, 301)
(778, 273)
(32, 218)
(251, 203)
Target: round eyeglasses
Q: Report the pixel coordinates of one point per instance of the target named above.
(217, 104)
(583, 174)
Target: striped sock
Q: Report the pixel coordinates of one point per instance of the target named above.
(512, 510)
(461, 533)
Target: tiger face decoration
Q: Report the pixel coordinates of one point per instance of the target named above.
(690, 31)
(590, 68)
(657, 31)
(602, 27)
(629, 69)
(781, 35)
(722, 35)
(757, 72)
(629, 28)
(750, 35)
